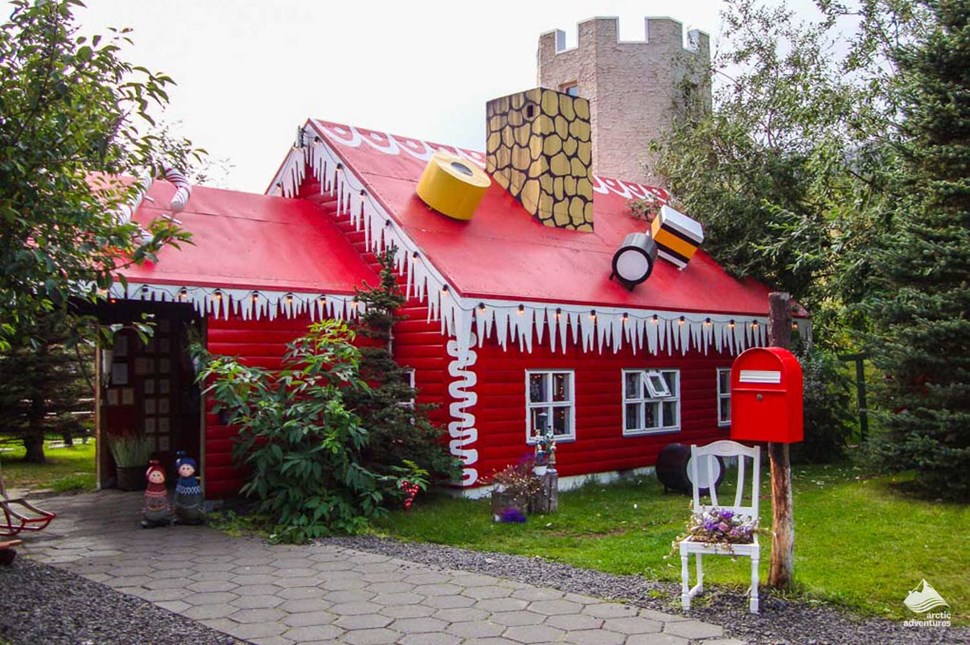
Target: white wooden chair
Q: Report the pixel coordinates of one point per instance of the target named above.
(706, 457)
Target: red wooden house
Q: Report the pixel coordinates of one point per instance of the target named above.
(514, 317)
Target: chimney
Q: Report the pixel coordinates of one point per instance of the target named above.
(538, 148)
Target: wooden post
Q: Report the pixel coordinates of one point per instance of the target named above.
(782, 571)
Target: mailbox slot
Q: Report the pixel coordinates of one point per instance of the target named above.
(766, 396)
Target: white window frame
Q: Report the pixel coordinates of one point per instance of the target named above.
(721, 395)
(409, 381)
(569, 404)
(659, 390)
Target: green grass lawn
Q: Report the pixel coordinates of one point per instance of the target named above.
(860, 542)
(67, 469)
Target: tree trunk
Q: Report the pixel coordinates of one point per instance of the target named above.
(782, 571)
(34, 445)
(34, 435)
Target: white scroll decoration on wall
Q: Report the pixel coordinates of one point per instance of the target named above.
(461, 429)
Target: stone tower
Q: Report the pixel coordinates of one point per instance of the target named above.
(634, 88)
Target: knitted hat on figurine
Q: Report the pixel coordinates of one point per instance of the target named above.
(182, 460)
(154, 466)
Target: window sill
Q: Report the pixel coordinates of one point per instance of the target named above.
(570, 438)
(646, 433)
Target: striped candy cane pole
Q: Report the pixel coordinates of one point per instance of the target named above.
(183, 190)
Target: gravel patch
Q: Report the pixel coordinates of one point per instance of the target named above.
(43, 604)
(780, 621)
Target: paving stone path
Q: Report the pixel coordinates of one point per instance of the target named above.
(283, 594)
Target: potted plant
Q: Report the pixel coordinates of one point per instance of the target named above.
(131, 453)
(515, 486)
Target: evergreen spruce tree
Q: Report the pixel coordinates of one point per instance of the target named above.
(43, 384)
(922, 316)
(398, 428)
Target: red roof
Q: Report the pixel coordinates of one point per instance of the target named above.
(248, 241)
(503, 252)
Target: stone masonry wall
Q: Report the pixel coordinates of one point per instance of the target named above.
(634, 88)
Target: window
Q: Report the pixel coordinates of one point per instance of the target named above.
(550, 403)
(651, 401)
(572, 89)
(407, 379)
(724, 396)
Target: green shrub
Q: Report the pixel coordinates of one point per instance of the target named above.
(300, 441)
(400, 430)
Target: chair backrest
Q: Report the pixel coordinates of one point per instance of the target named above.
(745, 497)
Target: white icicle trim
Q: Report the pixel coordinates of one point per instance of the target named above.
(592, 328)
(462, 427)
(609, 328)
(248, 304)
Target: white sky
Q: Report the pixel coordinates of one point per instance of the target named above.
(248, 72)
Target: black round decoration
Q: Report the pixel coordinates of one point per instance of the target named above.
(673, 472)
(640, 244)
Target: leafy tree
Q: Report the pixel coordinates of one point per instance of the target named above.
(399, 429)
(73, 116)
(301, 442)
(921, 326)
(788, 172)
(43, 382)
(795, 171)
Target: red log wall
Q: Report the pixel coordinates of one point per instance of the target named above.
(600, 445)
(259, 343)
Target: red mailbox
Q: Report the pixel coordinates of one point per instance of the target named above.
(766, 396)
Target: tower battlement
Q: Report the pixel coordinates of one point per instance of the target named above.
(635, 88)
(604, 31)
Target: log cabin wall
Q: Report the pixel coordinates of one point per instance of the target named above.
(600, 445)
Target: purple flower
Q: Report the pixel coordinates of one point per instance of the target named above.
(512, 515)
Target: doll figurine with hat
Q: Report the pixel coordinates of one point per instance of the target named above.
(156, 511)
(188, 492)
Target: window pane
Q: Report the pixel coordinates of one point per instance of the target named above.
(560, 421)
(724, 413)
(724, 381)
(672, 381)
(560, 386)
(651, 412)
(537, 387)
(540, 419)
(632, 384)
(633, 416)
(670, 413)
(657, 385)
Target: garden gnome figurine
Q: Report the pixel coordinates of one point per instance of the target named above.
(188, 492)
(157, 511)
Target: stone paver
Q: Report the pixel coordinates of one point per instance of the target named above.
(285, 594)
(658, 639)
(693, 629)
(595, 637)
